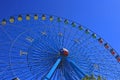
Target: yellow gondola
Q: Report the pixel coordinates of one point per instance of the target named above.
(35, 17)
(43, 17)
(12, 19)
(19, 18)
(27, 17)
(51, 18)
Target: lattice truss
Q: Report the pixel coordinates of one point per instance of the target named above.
(31, 48)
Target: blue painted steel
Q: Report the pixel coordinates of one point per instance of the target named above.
(29, 50)
(77, 69)
(49, 75)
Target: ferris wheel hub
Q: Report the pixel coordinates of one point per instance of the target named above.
(64, 52)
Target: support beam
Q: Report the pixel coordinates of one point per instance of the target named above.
(78, 69)
(49, 75)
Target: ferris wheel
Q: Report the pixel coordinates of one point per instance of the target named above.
(47, 47)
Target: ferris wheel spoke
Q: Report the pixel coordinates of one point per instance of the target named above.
(1, 61)
(20, 48)
(95, 46)
(74, 43)
(76, 56)
(13, 27)
(49, 33)
(24, 43)
(79, 48)
(5, 69)
(72, 74)
(17, 26)
(10, 38)
(67, 74)
(43, 52)
(56, 38)
(46, 43)
(82, 61)
(42, 59)
(81, 33)
(85, 39)
(33, 69)
(23, 73)
(16, 68)
(38, 73)
(35, 76)
(59, 34)
(46, 57)
(87, 42)
(18, 63)
(53, 42)
(87, 69)
(62, 41)
(37, 64)
(40, 68)
(65, 34)
(40, 46)
(38, 50)
(5, 43)
(37, 57)
(68, 34)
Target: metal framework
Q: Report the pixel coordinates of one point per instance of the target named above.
(43, 47)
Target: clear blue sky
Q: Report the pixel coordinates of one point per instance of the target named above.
(101, 16)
